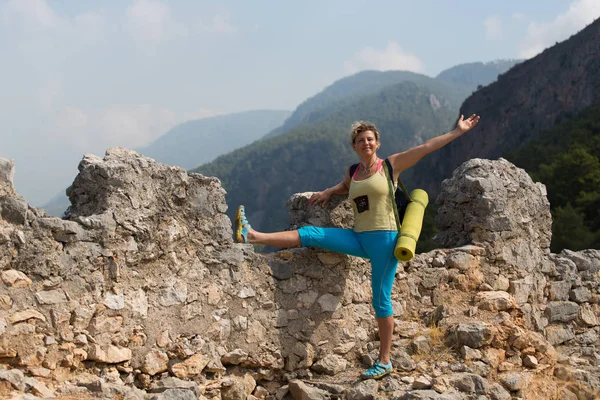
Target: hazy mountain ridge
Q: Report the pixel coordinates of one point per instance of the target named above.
(199, 141)
(455, 83)
(476, 74)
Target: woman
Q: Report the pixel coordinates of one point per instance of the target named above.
(375, 232)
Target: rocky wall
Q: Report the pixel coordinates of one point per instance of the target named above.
(140, 293)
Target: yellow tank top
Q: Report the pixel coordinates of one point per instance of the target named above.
(371, 203)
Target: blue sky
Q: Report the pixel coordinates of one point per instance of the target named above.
(82, 76)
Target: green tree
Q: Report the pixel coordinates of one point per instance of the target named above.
(569, 230)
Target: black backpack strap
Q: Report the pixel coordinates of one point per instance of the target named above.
(391, 176)
(353, 169)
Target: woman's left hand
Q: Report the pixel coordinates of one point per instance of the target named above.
(320, 198)
(464, 125)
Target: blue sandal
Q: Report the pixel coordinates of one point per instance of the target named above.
(377, 371)
(241, 226)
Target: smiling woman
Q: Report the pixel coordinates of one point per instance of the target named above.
(375, 233)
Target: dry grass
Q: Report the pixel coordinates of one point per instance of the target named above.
(438, 350)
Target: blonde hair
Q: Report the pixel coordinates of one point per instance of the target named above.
(359, 127)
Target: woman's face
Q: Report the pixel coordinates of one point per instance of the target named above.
(365, 143)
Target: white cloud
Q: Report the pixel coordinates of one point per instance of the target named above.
(493, 28)
(29, 15)
(541, 35)
(151, 21)
(390, 58)
(220, 24)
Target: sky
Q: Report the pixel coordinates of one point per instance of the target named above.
(80, 77)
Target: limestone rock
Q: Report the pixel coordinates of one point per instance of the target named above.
(331, 364)
(191, 367)
(15, 278)
(155, 362)
(110, 354)
(302, 391)
(495, 301)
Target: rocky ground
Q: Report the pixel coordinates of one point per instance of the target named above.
(140, 293)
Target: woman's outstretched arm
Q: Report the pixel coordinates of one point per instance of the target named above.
(406, 159)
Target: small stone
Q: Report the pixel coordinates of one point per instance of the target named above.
(51, 297)
(110, 354)
(155, 362)
(421, 383)
(331, 364)
(530, 362)
(514, 381)
(495, 301)
(163, 340)
(16, 279)
(21, 316)
(470, 354)
(193, 366)
(234, 357)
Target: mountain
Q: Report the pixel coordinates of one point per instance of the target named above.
(350, 89)
(455, 83)
(477, 74)
(199, 141)
(522, 104)
(314, 156)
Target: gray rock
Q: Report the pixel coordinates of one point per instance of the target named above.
(331, 364)
(403, 362)
(14, 210)
(557, 334)
(469, 383)
(587, 315)
(559, 291)
(431, 395)
(561, 311)
(174, 394)
(14, 376)
(514, 381)
(497, 392)
(421, 382)
(51, 297)
(302, 391)
(7, 176)
(365, 390)
(472, 334)
(580, 295)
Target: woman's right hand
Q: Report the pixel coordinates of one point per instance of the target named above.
(320, 198)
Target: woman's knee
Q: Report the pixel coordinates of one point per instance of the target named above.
(383, 307)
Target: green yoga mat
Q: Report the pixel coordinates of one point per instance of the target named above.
(411, 225)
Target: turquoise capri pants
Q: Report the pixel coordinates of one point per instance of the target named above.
(377, 246)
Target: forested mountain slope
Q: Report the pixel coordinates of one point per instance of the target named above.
(315, 156)
(523, 103)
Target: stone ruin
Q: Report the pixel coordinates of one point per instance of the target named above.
(140, 293)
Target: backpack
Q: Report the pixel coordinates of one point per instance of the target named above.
(400, 195)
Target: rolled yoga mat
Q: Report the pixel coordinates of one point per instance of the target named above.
(411, 225)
